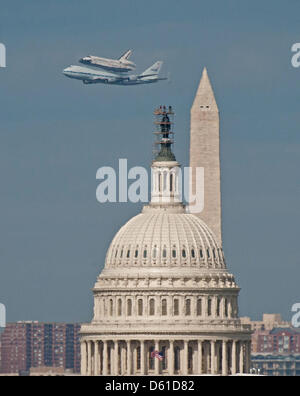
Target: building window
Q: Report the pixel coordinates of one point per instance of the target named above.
(154, 252)
(209, 306)
(164, 307)
(174, 253)
(140, 307)
(199, 307)
(208, 254)
(111, 307)
(145, 253)
(201, 253)
(226, 308)
(164, 253)
(176, 307)
(183, 253)
(193, 253)
(152, 307)
(218, 306)
(187, 307)
(129, 307)
(119, 307)
(128, 253)
(136, 253)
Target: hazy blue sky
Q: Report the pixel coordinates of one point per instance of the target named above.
(56, 132)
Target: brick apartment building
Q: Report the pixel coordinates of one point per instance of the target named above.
(26, 345)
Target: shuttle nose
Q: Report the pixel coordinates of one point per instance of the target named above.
(86, 59)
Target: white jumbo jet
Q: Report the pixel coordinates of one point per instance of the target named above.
(121, 65)
(92, 76)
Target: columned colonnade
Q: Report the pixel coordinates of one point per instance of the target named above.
(131, 357)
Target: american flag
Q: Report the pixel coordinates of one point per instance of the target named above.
(157, 354)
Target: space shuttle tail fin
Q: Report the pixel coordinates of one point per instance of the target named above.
(126, 55)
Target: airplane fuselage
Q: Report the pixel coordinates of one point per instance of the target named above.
(91, 76)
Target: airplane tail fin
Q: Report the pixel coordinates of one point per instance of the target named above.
(126, 55)
(153, 70)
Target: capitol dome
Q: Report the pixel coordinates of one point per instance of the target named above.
(158, 238)
(165, 303)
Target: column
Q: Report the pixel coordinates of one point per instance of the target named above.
(129, 358)
(89, 368)
(171, 358)
(116, 358)
(213, 357)
(241, 370)
(248, 356)
(233, 357)
(83, 358)
(134, 353)
(96, 358)
(224, 358)
(156, 364)
(123, 359)
(105, 358)
(199, 357)
(143, 368)
(185, 368)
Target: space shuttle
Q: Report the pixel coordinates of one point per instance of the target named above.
(121, 65)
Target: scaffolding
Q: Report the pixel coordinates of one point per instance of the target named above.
(164, 134)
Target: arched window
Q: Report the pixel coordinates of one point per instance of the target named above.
(171, 182)
(129, 307)
(140, 307)
(128, 253)
(145, 253)
(154, 252)
(164, 307)
(174, 253)
(199, 307)
(183, 253)
(214, 253)
(136, 253)
(176, 307)
(152, 307)
(119, 307)
(193, 253)
(208, 255)
(121, 254)
(209, 306)
(201, 253)
(116, 253)
(164, 253)
(187, 307)
(111, 307)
